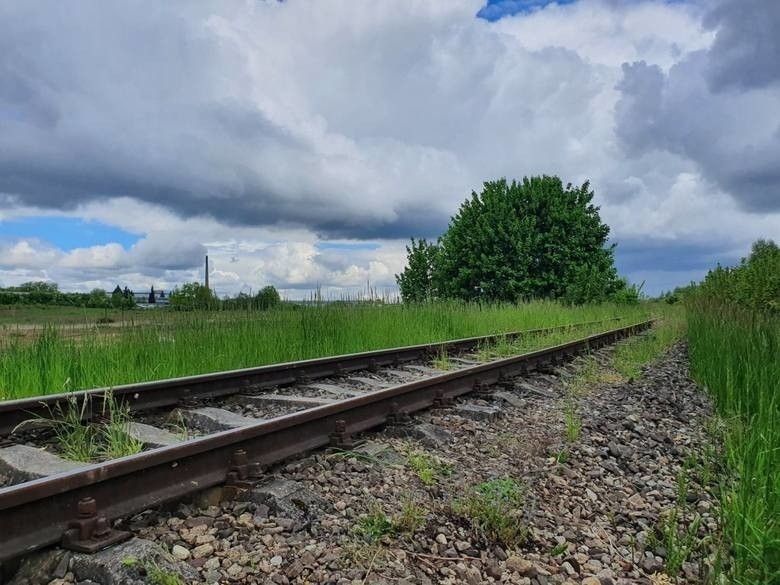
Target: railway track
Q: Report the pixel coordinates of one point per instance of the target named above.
(246, 420)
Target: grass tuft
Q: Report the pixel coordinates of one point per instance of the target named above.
(429, 468)
(495, 509)
(80, 439)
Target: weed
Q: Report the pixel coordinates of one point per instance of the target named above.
(429, 468)
(157, 576)
(349, 454)
(79, 439)
(573, 421)
(495, 509)
(411, 517)
(179, 425)
(561, 456)
(559, 549)
(679, 543)
(502, 347)
(682, 489)
(374, 525)
(637, 351)
(442, 360)
(114, 437)
(129, 562)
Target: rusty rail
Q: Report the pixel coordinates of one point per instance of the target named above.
(44, 511)
(172, 391)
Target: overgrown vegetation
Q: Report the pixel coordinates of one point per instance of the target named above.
(573, 420)
(429, 468)
(521, 240)
(735, 355)
(80, 439)
(734, 344)
(754, 284)
(153, 572)
(177, 344)
(678, 538)
(376, 524)
(495, 509)
(648, 346)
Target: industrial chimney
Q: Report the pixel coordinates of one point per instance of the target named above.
(207, 272)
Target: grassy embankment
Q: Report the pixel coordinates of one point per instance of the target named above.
(170, 345)
(735, 355)
(39, 315)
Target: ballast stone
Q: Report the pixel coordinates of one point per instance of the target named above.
(477, 412)
(429, 435)
(125, 564)
(510, 399)
(22, 463)
(379, 452)
(122, 564)
(152, 436)
(289, 499)
(212, 420)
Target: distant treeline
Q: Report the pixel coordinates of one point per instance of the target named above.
(754, 284)
(193, 296)
(48, 293)
(189, 296)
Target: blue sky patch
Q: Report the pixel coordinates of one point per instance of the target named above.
(66, 233)
(497, 9)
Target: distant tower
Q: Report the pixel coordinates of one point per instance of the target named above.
(207, 272)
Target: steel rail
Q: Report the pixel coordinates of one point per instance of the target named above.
(172, 391)
(37, 513)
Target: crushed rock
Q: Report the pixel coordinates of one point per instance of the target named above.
(590, 515)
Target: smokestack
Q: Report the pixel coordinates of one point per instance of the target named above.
(207, 272)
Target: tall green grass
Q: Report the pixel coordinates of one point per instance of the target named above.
(735, 354)
(171, 345)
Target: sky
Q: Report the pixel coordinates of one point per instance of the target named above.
(302, 143)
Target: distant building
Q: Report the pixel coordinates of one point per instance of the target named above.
(151, 299)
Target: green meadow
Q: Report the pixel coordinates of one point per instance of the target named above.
(735, 356)
(170, 344)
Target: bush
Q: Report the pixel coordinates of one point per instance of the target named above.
(530, 239)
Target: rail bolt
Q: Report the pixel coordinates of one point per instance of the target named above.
(87, 508)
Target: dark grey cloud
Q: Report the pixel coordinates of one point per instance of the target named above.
(719, 108)
(746, 51)
(374, 120)
(100, 101)
(671, 255)
(162, 251)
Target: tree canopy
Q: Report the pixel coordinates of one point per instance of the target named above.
(755, 283)
(416, 281)
(531, 239)
(192, 295)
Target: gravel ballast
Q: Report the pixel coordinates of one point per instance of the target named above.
(394, 513)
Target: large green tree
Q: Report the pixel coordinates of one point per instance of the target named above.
(192, 295)
(531, 239)
(416, 281)
(267, 297)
